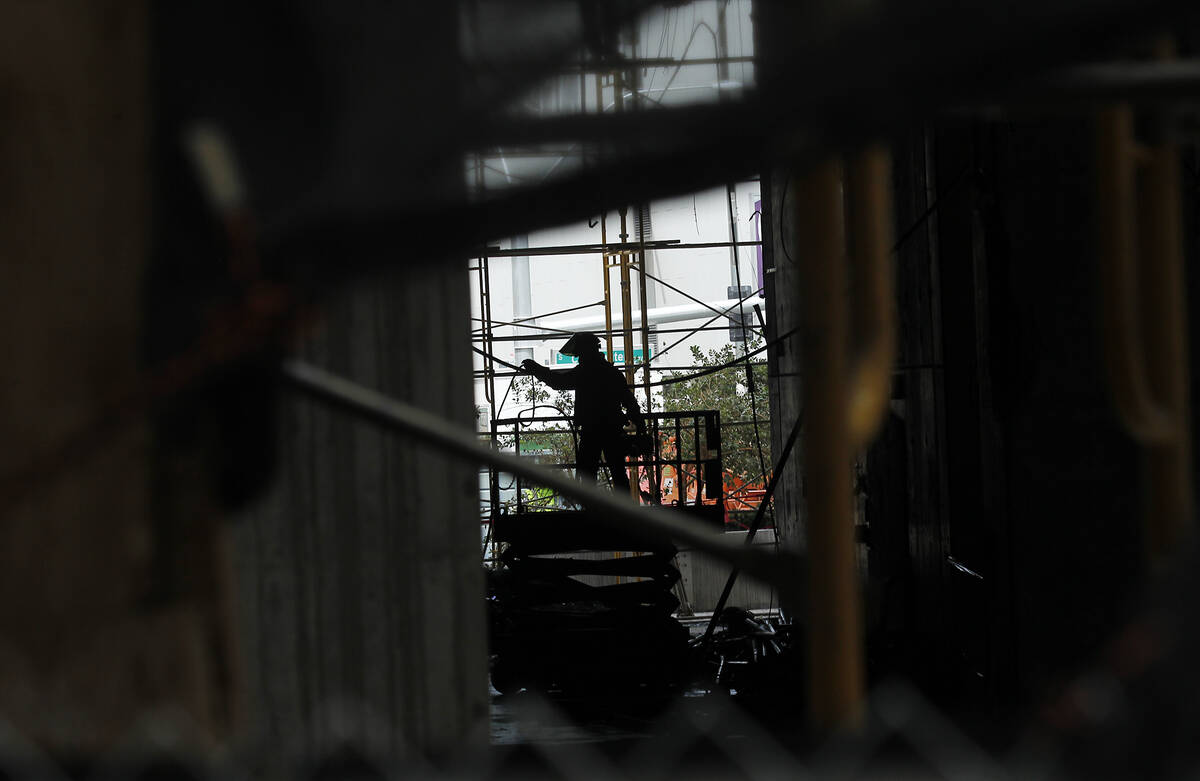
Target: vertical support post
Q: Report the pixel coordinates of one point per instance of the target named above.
(873, 311)
(607, 286)
(627, 329)
(836, 674)
(494, 479)
(626, 307)
(735, 266)
(1141, 265)
(489, 363)
(1168, 503)
(656, 469)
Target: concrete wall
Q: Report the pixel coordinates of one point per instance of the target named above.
(780, 248)
(361, 590)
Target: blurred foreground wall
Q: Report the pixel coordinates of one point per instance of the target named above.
(89, 641)
(356, 575)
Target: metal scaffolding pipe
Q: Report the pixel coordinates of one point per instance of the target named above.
(589, 249)
(835, 675)
(662, 314)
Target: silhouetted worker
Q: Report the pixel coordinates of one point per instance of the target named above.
(603, 405)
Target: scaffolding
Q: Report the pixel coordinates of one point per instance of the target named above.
(627, 260)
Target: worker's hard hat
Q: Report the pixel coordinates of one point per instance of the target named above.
(581, 343)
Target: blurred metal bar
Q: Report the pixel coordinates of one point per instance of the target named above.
(1137, 82)
(840, 76)
(1145, 322)
(1168, 465)
(873, 308)
(836, 674)
(557, 312)
(1145, 417)
(1141, 286)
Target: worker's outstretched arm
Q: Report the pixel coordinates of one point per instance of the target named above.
(562, 380)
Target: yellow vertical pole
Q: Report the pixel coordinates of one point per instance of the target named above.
(627, 330)
(607, 287)
(1168, 465)
(873, 310)
(654, 472)
(1145, 321)
(626, 306)
(604, 240)
(1168, 507)
(836, 674)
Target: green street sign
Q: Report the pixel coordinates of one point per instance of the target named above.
(617, 359)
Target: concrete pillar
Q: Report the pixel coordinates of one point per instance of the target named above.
(779, 254)
(361, 582)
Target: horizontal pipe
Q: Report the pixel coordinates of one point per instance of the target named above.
(592, 249)
(660, 314)
(480, 373)
(477, 336)
(605, 66)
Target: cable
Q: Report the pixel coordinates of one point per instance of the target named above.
(787, 182)
(684, 378)
(692, 332)
(507, 390)
(931, 209)
(904, 237)
(559, 312)
(522, 325)
(683, 56)
(535, 407)
(695, 300)
(668, 18)
(722, 367)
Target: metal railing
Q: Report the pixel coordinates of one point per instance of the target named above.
(688, 443)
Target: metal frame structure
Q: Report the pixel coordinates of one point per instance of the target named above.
(700, 437)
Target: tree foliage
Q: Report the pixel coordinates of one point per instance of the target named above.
(548, 442)
(728, 391)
